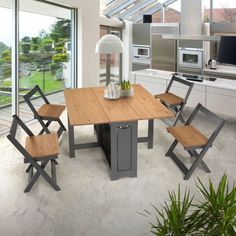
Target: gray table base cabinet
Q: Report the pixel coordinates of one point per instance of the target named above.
(119, 142)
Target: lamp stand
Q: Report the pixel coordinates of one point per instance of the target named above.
(108, 69)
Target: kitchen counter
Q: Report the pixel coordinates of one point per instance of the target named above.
(218, 83)
(226, 70)
(219, 96)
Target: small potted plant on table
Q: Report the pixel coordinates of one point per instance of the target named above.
(126, 89)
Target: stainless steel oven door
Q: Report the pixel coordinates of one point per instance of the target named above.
(191, 58)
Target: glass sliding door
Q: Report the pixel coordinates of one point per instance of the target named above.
(5, 64)
(44, 52)
(116, 63)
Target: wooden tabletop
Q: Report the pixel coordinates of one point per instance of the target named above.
(88, 106)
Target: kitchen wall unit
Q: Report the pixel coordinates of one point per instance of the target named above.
(219, 96)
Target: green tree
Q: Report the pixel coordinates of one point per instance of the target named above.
(3, 47)
(35, 43)
(46, 44)
(25, 44)
(61, 29)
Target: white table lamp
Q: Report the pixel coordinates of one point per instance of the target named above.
(109, 44)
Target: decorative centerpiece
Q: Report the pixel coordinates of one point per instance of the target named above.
(126, 89)
(112, 91)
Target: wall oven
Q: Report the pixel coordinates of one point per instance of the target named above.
(191, 58)
(141, 54)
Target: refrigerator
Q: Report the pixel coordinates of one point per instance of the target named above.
(164, 51)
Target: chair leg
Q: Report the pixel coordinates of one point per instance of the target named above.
(40, 171)
(61, 129)
(178, 115)
(43, 129)
(194, 154)
(28, 168)
(172, 147)
(198, 160)
(32, 179)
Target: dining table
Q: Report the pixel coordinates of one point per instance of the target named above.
(115, 124)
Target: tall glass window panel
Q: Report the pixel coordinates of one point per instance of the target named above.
(44, 52)
(224, 11)
(5, 64)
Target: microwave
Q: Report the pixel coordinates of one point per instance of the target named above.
(191, 57)
(141, 54)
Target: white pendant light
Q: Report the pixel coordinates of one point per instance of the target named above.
(109, 44)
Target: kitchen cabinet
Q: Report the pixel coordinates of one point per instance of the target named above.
(198, 94)
(153, 86)
(222, 101)
(219, 96)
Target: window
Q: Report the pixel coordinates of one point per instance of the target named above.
(224, 11)
(46, 54)
(173, 12)
(5, 65)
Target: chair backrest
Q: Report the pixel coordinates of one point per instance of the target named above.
(210, 117)
(28, 97)
(12, 136)
(31, 93)
(184, 82)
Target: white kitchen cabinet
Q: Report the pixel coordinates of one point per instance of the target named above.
(197, 95)
(153, 85)
(218, 96)
(222, 101)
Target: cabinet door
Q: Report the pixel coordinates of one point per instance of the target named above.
(153, 85)
(221, 101)
(197, 94)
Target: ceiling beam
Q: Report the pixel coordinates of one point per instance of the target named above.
(119, 8)
(136, 8)
(168, 2)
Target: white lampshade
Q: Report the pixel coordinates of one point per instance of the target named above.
(109, 44)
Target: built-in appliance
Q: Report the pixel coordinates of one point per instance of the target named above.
(163, 52)
(196, 78)
(141, 58)
(150, 50)
(191, 58)
(141, 47)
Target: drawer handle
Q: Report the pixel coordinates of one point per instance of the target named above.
(123, 127)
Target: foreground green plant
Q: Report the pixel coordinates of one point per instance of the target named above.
(214, 215)
(217, 211)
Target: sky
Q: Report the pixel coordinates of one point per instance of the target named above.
(27, 27)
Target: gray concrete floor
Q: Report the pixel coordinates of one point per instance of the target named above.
(89, 203)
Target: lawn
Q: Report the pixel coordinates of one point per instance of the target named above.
(29, 82)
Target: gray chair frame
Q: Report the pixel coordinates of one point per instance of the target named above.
(28, 97)
(192, 151)
(178, 108)
(33, 163)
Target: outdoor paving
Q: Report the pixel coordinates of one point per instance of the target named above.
(25, 112)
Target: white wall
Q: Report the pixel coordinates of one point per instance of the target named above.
(126, 56)
(88, 27)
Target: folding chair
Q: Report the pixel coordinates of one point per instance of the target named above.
(192, 139)
(173, 101)
(41, 148)
(48, 112)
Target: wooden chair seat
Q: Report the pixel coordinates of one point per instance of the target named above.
(170, 99)
(42, 146)
(188, 136)
(51, 111)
